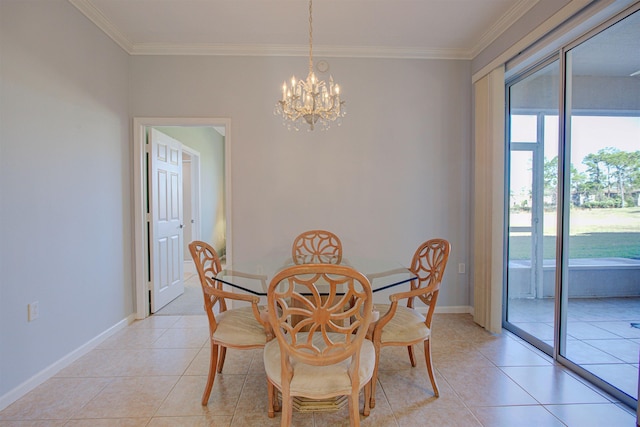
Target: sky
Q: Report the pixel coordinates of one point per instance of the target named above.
(592, 133)
(589, 135)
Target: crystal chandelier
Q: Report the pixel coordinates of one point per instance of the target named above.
(310, 101)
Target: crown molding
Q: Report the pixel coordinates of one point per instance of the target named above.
(87, 8)
(218, 49)
(288, 50)
(507, 20)
(386, 52)
(95, 16)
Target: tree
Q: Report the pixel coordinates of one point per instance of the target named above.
(550, 171)
(578, 183)
(610, 176)
(594, 184)
(609, 168)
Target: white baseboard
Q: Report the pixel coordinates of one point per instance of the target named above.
(455, 309)
(190, 267)
(24, 388)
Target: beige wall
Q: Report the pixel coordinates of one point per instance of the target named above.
(396, 173)
(65, 187)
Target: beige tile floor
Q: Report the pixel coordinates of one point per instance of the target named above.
(153, 372)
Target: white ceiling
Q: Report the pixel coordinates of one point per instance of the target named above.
(455, 29)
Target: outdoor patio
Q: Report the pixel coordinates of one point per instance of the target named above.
(603, 334)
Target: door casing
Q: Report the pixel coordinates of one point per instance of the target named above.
(139, 192)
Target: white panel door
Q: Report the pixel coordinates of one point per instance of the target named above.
(166, 231)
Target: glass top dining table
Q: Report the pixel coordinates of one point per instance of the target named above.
(253, 277)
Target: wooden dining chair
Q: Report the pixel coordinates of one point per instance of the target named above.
(405, 326)
(317, 246)
(237, 328)
(325, 352)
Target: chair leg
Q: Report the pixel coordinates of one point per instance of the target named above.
(287, 411)
(223, 353)
(367, 399)
(354, 411)
(412, 357)
(277, 406)
(432, 377)
(271, 393)
(213, 360)
(374, 378)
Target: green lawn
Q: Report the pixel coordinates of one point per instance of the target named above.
(596, 233)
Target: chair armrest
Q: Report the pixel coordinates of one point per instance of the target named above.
(413, 293)
(261, 316)
(375, 327)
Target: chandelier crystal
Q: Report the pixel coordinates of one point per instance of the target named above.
(310, 101)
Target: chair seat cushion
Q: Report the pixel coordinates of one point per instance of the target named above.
(407, 325)
(319, 381)
(239, 328)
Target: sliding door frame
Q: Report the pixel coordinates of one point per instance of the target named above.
(563, 202)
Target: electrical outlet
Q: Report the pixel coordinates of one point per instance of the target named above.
(461, 268)
(33, 311)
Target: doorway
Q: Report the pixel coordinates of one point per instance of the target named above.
(191, 202)
(217, 232)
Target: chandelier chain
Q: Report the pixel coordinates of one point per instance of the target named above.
(310, 36)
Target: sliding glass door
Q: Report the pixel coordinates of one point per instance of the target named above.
(601, 266)
(532, 201)
(573, 234)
